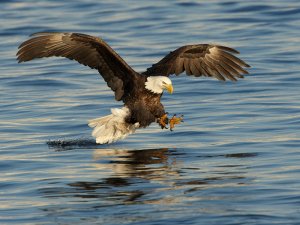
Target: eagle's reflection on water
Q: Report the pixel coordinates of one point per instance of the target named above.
(130, 173)
(120, 171)
(151, 176)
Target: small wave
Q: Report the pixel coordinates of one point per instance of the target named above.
(69, 144)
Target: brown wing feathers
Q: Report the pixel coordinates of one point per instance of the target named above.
(201, 60)
(87, 50)
(197, 60)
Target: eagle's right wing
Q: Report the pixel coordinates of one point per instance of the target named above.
(87, 50)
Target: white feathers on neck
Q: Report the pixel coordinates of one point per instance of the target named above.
(155, 84)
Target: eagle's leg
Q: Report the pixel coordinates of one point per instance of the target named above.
(175, 120)
(163, 121)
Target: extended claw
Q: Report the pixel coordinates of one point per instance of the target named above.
(163, 121)
(175, 120)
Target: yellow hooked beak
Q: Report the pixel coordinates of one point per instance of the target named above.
(169, 88)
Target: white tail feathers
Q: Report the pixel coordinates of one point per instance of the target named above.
(113, 127)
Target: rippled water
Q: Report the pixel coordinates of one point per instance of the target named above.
(235, 160)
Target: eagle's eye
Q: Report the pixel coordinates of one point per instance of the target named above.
(164, 82)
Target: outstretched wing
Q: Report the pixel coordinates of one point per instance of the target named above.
(201, 60)
(87, 50)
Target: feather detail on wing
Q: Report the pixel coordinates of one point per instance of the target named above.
(201, 60)
(85, 49)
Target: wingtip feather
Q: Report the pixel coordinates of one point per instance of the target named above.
(228, 49)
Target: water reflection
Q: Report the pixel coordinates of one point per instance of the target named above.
(145, 163)
(149, 176)
(129, 173)
(142, 178)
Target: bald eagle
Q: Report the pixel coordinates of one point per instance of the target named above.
(140, 92)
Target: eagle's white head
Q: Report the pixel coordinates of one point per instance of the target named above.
(157, 84)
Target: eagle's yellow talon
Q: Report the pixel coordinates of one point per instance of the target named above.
(163, 121)
(175, 120)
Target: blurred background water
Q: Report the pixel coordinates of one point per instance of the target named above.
(235, 160)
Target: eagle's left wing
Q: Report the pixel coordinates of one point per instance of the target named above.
(201, 60)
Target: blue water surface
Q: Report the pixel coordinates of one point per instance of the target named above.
(235, 160)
